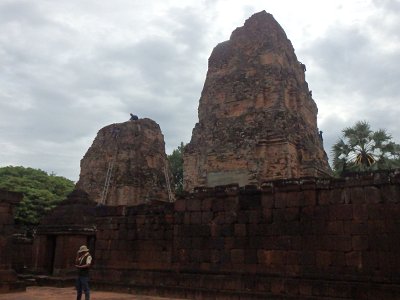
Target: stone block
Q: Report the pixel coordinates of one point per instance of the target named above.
(307, 258)
(357, 195)
(196, 217)
(206, 217)
(341, 212)
(179, 217)
(278, 215)
(250, 256)
(5, 209)
(275, 257)
(324, 197)
(291, 214)
(338, 259)
(241, 243)
(242, 217)
(180, 205)
(305, 288)
(263, 284)
(372, 194)
(254, 216)
(249, 202)
(294, 199)
(293, 257)
(206, 204)
(354, 259)
(377, 212)
(360, 212)
(323, 213)
(340, 242)
(323, 259)
(337, 196)
(237, 256)
(231, 203)
(193, 204)
(359, 242)
(218, 205)
(277, 286)
(267, 200)
(240, 230)
(253, 230)
(335, 227)
(281, 199)
(226, 230)
(267, 215)
(355, 227)
(186, 218)
(196, 256)
(230, 217)
(310, 242)
(309, 197)
(292, 286)
(232, 284)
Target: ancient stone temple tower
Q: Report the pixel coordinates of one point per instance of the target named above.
(126, 165)
(257, 118)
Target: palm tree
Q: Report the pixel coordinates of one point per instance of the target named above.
(361, 149)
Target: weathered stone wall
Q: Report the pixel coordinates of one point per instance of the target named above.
(299, 239)
(61, 233)
(8, 277)
(22, 253)
(134, 154)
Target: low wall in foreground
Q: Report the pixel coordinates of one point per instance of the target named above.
(295, 239)
(8, 277)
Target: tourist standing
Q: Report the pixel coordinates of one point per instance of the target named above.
(82, 262)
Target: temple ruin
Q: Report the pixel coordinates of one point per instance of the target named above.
(262, 220)
(8, 276)
(257, 119)
(126, 165)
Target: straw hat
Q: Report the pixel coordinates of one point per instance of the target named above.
(83, 249)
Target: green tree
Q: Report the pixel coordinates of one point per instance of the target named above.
(176, 164)
(361, 149)
(41, 192)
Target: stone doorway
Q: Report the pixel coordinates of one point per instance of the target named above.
(50, 253)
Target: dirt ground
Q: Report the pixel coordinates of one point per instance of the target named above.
(54, 293)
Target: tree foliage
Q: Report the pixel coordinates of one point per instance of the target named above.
(176, 164)
(361, 149)
(41, 192)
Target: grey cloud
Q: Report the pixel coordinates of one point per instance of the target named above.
(21, 12)
(356, 63)
(388, 5)
(69, 82)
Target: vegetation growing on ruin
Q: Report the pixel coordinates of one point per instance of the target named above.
(41, 191)
(176, 164)
(362, 149)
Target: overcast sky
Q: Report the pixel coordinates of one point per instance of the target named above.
(69, 68)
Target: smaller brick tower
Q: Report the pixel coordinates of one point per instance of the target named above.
(126, 165)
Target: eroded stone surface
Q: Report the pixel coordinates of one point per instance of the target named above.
(257, 118)
(136, 152)
(54, 293)
(8, 277)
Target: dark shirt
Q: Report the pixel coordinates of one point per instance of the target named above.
(86, 259)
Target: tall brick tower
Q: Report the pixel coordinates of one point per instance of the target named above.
(257, 117)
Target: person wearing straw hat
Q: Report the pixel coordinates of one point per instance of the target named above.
(82, 263)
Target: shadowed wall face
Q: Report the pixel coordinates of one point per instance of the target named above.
(8, 278)
(300, 238)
